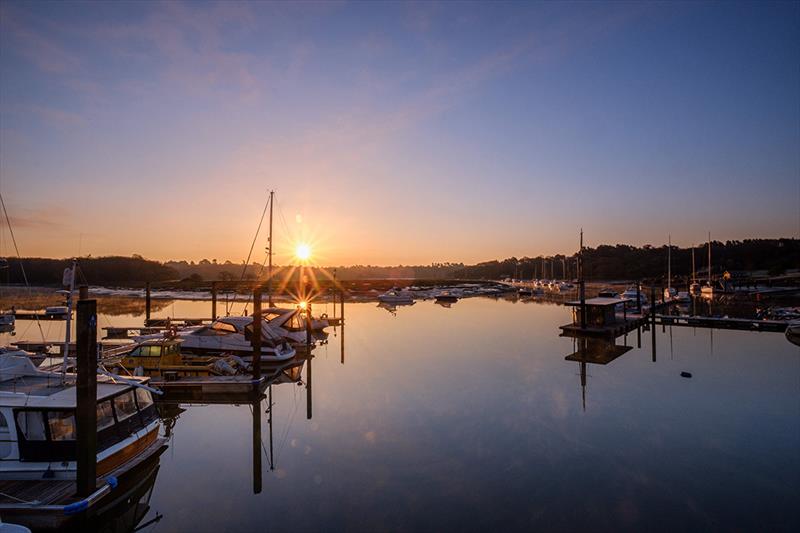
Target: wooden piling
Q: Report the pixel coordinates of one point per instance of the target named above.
(255, 340)
(639, 297)
(213, 300)
(308, 327)
(83, 292)
(147, 304)
(86, 402)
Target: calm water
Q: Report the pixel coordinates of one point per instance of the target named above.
(470, 418)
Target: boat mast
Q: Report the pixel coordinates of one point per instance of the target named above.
(69, 320)
(694, 275)
(269, 249)
(709, 258)
(669, 265)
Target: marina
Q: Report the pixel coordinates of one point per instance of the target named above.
(562, 238)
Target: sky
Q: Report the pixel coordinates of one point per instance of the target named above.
(395, 133)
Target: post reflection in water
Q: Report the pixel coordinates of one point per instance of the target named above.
(597, 351)
(257, 446)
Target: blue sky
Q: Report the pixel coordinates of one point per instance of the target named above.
(397, 132)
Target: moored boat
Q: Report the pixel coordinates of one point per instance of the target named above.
(38, 443)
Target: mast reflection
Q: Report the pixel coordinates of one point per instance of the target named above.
(596, 351)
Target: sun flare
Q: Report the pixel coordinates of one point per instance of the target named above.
(303, 251)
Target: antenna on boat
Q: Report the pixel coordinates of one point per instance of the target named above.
(269, 248)
(68, 280)
(709, 258)
(669, 265)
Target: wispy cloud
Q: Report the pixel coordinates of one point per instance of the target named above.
(46, 53)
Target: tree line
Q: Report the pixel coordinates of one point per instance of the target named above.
(605, 262)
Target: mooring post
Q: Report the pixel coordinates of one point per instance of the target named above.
(213, 300)
(653, 305)
(639, 297)
(309, 358)
(583, 303)
(256, 338)
(147, 304)
(83, 292)
(308, 327)
(86, 402)
(341, 312)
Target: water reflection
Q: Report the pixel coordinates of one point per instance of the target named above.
(440, 415)
(596, 351)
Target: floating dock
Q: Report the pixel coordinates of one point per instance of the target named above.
(746, 324)
(38, 315)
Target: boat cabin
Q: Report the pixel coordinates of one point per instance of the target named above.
(162, 358)
(37, 420)
(600, 312)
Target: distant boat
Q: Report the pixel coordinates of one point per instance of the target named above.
(630, 294)
(608, 293)
(396, 296)
(446, 296)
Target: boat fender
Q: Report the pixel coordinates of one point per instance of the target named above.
(77, 507)
(112, 482)
(686, 374)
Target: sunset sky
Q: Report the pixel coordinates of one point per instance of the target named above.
(396, 133)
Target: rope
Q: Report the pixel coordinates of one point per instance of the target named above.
(21, 265)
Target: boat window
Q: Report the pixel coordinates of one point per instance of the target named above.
(5, 437)
(223, 327)
(31, 424)
(271, 316)
(151, 351)
(62, 425)
(144, 398)
(135, 353)
(296, 322)
(124, 405)
(105, 415)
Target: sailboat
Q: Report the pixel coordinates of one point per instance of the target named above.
(708, 289)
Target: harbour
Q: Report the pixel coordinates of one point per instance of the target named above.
(404, 267)
(420, 406)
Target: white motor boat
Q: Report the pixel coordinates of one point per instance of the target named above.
(292, 319)
(38, 440)
(683, 296)
(231, 335)
(630, 294)
(396, 296)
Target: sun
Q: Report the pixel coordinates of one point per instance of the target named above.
(303, 251)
